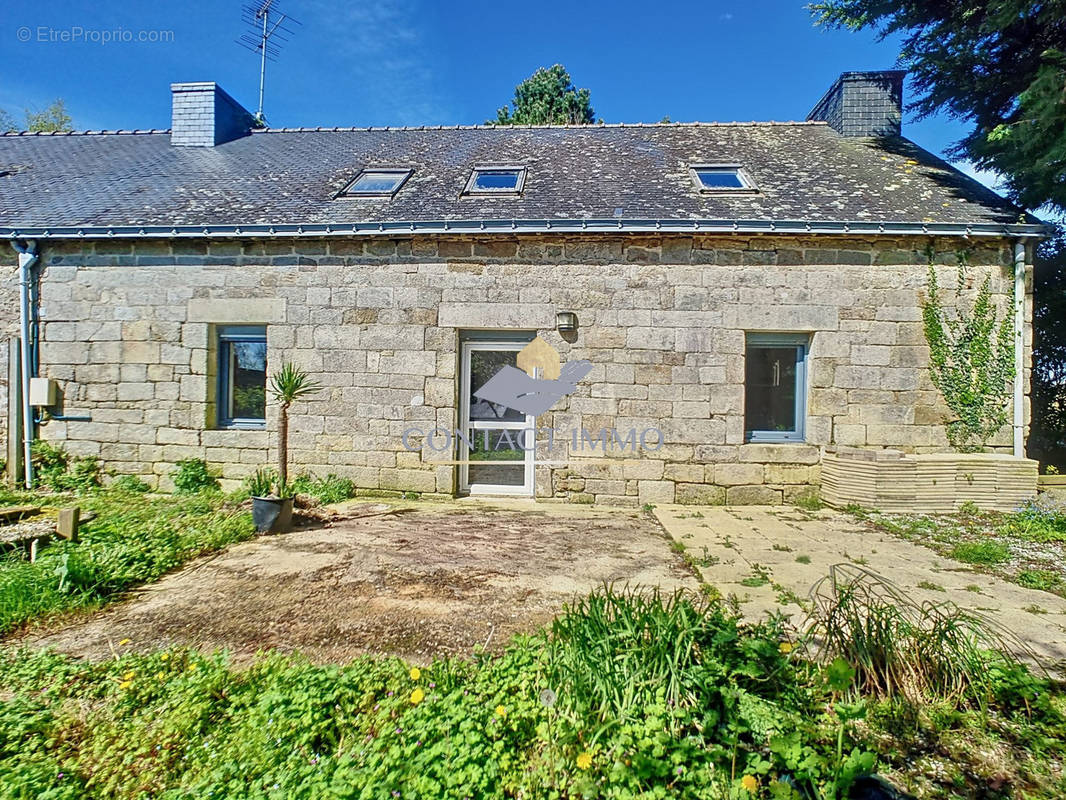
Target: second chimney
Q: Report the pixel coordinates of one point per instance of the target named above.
(863, 104)
(203, 115)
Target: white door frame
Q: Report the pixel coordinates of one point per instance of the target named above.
(470, 428)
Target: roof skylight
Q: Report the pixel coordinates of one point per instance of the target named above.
(496, 180)
(719, 178)
(377, 183)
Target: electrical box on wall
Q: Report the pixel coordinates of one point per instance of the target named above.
(43, 392)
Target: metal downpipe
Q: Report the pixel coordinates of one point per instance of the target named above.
(1019, 349)
(27, 255)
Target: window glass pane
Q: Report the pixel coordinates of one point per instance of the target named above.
(483, 365)
(495, 179)
(498, 444)
(770, 388)
(720, 178)
(247, 375)
(377, 183)
(489, 474)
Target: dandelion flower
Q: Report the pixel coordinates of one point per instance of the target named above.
(417, 696)
(125, 684)
(164, 657)
(501, 711)
(785, 647)
(160, 675)
(584, 760)
(416, 673)
(124, 642)
(129, 675)
(193, 667)
(749, 782)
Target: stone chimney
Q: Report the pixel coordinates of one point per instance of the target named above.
(863, 104)
(203, 115)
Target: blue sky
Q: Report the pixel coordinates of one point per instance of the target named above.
(410, 62)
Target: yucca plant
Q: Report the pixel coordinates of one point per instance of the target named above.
(287, 385)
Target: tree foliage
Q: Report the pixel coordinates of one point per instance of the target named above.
(998, 65)
(547, 97)
(51, 120)
(1047, 434)
(971, 362)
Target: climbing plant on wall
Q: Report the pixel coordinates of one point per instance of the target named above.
(971, 361)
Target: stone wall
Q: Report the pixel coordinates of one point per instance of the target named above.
(128, 332)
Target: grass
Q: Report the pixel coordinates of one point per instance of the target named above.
(900, 647)
(133, 539)
(1027, 547)
(930, 586)
(990, 552)
(629, 694)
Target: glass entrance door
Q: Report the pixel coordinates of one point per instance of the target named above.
(497, 441)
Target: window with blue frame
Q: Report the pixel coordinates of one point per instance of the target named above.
(775, 387)
(242, 376)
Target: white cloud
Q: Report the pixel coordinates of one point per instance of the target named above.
(376, 48)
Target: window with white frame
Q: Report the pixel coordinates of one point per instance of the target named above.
(377, 183)
(775, 387)
(496, 180)
(720, 178)
(242, 376)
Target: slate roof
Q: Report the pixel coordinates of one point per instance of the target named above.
(803, 171)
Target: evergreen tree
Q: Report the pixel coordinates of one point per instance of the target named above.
(1000, 66)
(547, 97)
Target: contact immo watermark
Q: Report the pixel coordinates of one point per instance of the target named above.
(77, 34)
(443, 440)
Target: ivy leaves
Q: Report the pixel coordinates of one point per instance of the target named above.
(971, 362)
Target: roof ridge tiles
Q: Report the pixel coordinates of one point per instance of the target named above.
(120, 132)
(379, 128)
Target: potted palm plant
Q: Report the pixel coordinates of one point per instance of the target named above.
(271, 494)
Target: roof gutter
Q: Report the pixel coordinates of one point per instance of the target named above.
(533, 226)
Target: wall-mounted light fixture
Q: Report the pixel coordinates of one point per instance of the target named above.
(566, 322)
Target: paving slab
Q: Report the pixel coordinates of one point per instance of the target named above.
(769, 558)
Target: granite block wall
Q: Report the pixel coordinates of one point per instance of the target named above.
(129, 333)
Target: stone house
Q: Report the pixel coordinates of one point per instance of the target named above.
(747, 295)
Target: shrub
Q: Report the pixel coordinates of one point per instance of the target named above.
(986, 552)
(61, 472)
(130, 483)
(192, 475)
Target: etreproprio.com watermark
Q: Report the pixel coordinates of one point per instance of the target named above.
(77, 34)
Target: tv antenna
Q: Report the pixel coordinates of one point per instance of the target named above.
(268, 30)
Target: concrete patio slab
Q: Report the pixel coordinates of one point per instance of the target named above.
(769, 557)
(417, 580)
